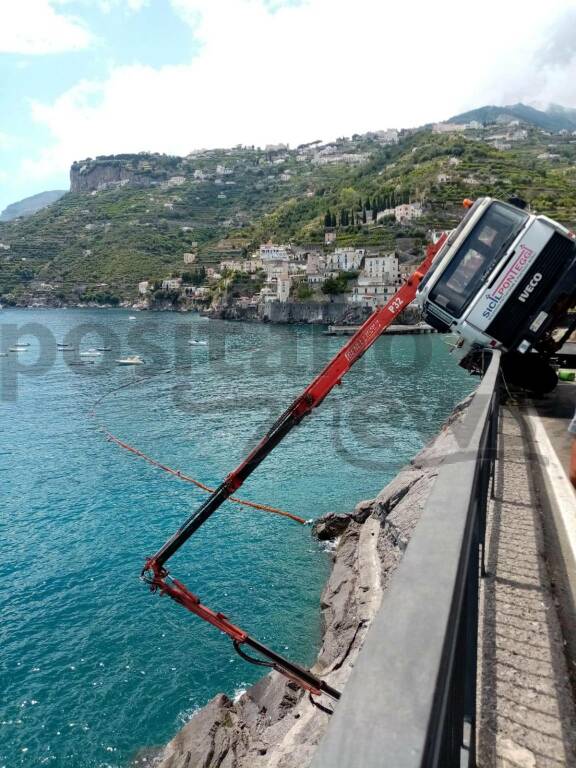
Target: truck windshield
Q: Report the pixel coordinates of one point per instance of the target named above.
(476, 257)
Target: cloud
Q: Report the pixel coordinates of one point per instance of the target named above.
(560, 47)
(295, 71)
(35, 27)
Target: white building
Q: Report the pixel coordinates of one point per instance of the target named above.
(275, 267)
(345, 259)
(371, 292)
(315, 263)
(143, 287)
(385, 214)
(272, 252)
(172, 284)
(283, 284)
(407, 212)
(382, 268)
(222, 170)
(200, 175)
(189, 258)
(448, 128)
(389, 136)
(176, 181)
(233, 265)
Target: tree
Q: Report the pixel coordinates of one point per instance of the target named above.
(333, 286)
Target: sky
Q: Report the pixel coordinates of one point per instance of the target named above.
(80, 78)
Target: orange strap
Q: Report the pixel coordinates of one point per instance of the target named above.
(197, 483)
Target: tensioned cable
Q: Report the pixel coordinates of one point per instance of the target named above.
(171, 470)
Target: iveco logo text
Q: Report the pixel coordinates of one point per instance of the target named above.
(530, 287)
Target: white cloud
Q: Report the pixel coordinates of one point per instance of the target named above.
(317, 69)
(35, 27)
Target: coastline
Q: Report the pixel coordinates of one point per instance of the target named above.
(273, 724)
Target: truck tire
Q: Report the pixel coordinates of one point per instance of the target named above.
(530, 372)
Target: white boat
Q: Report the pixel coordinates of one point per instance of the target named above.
(131, 317)
(3, 354)
(196, 343)
(18, 348)
(130, 360)
(91, 353)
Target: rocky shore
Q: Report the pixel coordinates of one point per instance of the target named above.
(273, 724)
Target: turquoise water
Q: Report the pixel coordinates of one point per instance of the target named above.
(93, 667)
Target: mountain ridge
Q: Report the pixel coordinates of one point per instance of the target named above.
(30, 205)
(555, 118)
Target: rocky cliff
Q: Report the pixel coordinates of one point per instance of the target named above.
(315, 312)
(142, 170)
(273, 724)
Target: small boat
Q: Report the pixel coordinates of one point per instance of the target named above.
(3, 354)
(91, 353)
(197, 343)
(131, 317)
(61, 345)
(104, 349)
(130, 360)
(19, 348)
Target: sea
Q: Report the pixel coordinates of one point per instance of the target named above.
(94, 668)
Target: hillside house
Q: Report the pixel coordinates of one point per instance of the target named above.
(273, 252)
(448, 128)
(371, 292)
(383, 268)
(389, 136)
(143, 287)
(407, 212)
(189, 258)
(345, 259)
(172, 284)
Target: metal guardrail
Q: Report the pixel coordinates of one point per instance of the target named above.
(410, 701)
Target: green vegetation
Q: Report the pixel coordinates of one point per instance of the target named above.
(99, 243)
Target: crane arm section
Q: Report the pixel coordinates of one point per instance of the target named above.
(154, 571)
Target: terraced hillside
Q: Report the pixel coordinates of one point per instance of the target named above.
(133, 217)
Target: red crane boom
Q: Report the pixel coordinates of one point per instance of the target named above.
(154, 572)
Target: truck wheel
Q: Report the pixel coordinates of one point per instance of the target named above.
(530, 372)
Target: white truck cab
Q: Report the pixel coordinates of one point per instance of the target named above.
(504, 279)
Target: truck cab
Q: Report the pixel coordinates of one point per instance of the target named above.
(505, 279)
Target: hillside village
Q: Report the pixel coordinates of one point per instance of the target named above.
(250, 227)
(281, 273)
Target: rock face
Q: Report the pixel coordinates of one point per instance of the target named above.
(314, 312)
(273, 724)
